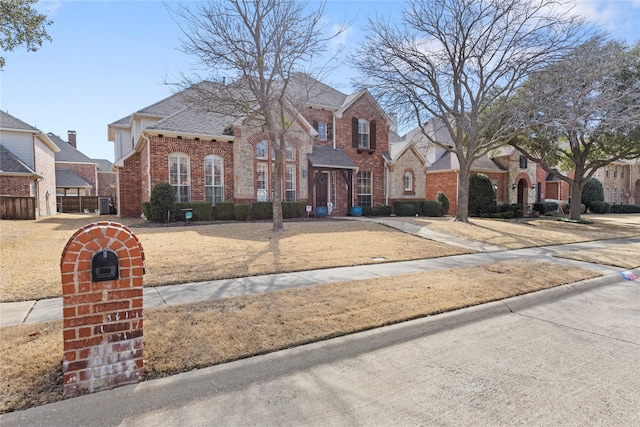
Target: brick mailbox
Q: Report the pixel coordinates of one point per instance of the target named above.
(102, 267)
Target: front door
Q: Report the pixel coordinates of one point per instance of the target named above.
(522, 191)
(322, 190)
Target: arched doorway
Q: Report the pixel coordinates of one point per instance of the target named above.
(636, 193)
(522, 192)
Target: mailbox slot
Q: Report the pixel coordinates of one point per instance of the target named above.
(104, 266)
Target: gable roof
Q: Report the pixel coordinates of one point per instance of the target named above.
(68, 153)
(7, 121)
(193, 122)
(351, 99)
(329, 157)
(69, 179)
(449, 161)
(104, 165)
(10, 164)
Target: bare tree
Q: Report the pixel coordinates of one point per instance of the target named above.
(252, 50)
(452, 59)
(583, 113)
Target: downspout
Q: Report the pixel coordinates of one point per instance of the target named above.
(333, 117)
(386, 184)
(148, 171)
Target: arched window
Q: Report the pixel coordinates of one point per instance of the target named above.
(179, 176)
(408, 181)
(214, 179)
(261, 150)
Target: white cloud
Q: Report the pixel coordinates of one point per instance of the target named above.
(340, 41)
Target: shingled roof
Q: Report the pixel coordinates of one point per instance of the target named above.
(10, 164)
(66, 178)
(68, 153)
(7, 121)
(329, 157)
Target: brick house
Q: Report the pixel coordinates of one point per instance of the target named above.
(336, 153)
(76, 174)
(27, 163)
(620, 182)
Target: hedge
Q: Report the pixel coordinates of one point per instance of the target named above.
(596, 207)
(625, 209)
(202, 211)
(241, 212)
(545, 207)
(417, 206)
(225, 211)
(294, 210)
(406, 209)
(262, 210)
(431, 208)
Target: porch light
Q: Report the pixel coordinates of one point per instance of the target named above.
(513, 186)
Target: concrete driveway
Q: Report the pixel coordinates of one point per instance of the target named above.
(565, 356)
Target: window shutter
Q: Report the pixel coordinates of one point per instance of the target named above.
(315, 124)
(372, 135)
(354, 132)
(330, 131)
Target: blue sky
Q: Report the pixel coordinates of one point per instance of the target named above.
(110, 58)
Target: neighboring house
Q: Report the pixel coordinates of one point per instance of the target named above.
(106, 179)
(27, 163)
(336, 153)
(620, 182)
(77, 174)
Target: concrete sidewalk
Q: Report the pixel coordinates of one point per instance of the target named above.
(46, 310)
(564, 356)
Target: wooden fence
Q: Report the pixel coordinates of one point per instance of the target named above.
(77, 203)
(17, 207)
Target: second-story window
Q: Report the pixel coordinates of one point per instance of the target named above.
(322, 131)
(524, 162)
(261, 150)
(363, 133)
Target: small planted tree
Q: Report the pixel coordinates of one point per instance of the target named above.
(592, 192)
(444, 202)
(481, 194)
(163, 202)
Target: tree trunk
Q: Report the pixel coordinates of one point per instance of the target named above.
(278, 221)
(576, 201)
(462, 207)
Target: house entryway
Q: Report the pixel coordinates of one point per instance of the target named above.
(322, 190)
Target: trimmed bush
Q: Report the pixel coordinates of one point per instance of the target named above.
(376, 210)
(406, 210)
(241, 212)
(592, 192)
(550, 207)
(294, 210)
(481, 194)
(417, 205)
(201, 211)
(566, 208)
(597, 207)
(146, 210)
(607, 207)
(225, 211)
(262, 210)
(163, 203)
(444, 202)
(431, 208)
(625, 209)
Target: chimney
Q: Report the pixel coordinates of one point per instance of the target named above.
(72, 138)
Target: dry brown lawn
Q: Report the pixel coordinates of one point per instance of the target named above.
(625, 256)
(536, 232)
(182, 338)
(31, 250)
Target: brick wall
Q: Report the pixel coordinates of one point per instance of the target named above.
(102, 320)
(447, 182)
(106, 184)
(409, 161)
(86, 171)
(129, 191)
(19, 186)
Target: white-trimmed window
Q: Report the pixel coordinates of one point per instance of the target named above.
(290, 183)
(363, 133)
(365, 188)
(179, 176)
(290, 153)
(214, 179)
(262, 150)
(322, 130)
(262, 182)
(408, 181)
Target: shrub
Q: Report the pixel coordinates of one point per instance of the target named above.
(431, 208)
(417, 206)
(163, 202)
(597, 207)
(607, 207)
(406, 210)
(376, 210)
(625, 209)
(146, 210)
(294, 209)
(550, 207)
(444, 201)
(262, 210)
(241, 212)
(201, 211)
(481, 194)
(225, 211)
(592, 192)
